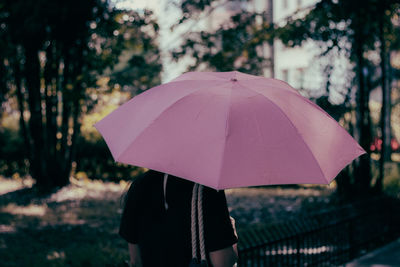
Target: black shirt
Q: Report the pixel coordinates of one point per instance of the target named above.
(164, 236)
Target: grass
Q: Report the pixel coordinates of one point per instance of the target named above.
(62, 245)
(78, 225)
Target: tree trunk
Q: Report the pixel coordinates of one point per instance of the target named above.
(77, 96)
(20, 101)
(362, 169)
(76, 127)
(64, 171)
(344, 187)
(385, 110)
(51, 77)
(32, 75)
(270, 19)
(3, 81)
(48, 77)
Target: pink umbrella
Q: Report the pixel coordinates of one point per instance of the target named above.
(229, 129)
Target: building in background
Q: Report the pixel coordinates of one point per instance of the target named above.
(302, 67)
(291, 64)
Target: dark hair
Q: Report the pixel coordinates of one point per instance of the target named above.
(129, 188)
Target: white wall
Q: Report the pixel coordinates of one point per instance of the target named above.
(291, 64)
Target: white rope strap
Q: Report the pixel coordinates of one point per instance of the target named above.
(194, 221)
(200, 222)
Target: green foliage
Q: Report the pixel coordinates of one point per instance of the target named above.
(336, 111)
(338, 23)
(192, 8)
(359, 29)
(343, 25)
(142, 67)
(71, 232)
(64, 245)
(12, 150)
(96, 161)
(392, 180)
(237, 45)
(351, 27)
(52, 55)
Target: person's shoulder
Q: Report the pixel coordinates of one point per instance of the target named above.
(142, 182)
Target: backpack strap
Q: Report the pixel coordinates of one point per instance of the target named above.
(194, 221)
(197, 221)
(201, 223)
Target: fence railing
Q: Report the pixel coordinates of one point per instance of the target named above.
(329, 238)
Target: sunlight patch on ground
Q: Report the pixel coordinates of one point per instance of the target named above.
(53, 255)
(71, 218)
(30, 210)
(85, 188)
(74, 204)
(10, 185)
(4, 228)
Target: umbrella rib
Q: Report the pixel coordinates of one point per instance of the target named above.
(226, 132)
(235, 73)
(290, 90)
(179, 81)
(284, 83)
(291, 123)
(217, 78)
(207, 73)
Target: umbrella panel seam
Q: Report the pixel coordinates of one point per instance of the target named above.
(226, 130)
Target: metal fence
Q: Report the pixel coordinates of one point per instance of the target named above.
(329, 238)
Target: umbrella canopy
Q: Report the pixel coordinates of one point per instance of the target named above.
(229, 129)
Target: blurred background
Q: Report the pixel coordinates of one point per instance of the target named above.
(64, 65)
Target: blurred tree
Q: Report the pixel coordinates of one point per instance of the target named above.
(348, 26)
(52, 54)
(389, 41)
(336, 25)
(237, 44)
(140, 64)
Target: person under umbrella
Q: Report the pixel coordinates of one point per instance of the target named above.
(156, 223)
(220, 130)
